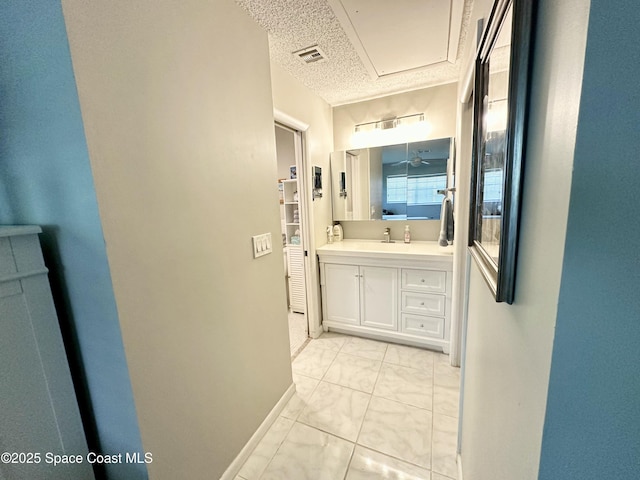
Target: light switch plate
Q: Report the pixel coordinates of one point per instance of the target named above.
(261, 245)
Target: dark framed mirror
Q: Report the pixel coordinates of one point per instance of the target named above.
(500, 112)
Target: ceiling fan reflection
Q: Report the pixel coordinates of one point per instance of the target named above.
(416, 160)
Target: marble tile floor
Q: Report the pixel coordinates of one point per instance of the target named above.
(298, 333)
(363, 409)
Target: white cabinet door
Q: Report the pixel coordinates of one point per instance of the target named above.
(379, 297)
(342, 290)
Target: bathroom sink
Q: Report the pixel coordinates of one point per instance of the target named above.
(415, 249)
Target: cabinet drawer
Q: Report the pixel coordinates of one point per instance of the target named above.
(423, 325)
(424, 280)
(423, 303)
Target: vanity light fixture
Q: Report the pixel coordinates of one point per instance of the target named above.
(387, 123)
(389, 131)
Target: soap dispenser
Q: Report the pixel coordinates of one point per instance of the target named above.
(407, 234)
(338, 233)
(330, 234)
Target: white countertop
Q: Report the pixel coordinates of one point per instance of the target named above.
(417, 250)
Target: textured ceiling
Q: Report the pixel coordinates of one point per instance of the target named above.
(296, 24)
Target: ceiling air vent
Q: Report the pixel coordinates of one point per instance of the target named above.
(310, 54)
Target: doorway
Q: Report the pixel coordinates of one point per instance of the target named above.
(293, 226)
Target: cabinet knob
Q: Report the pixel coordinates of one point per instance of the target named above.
(422, 325)
(422, 280)
(422, 304)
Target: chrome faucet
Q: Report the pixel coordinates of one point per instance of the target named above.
(387, 235)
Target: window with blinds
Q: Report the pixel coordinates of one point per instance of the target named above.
(415, 190)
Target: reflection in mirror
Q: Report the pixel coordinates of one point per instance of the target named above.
(489, 216)
(394, 182)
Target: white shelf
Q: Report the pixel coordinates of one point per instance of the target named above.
(290, 207)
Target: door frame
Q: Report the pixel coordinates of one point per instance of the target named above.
(312, 287)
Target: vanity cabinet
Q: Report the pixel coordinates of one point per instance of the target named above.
(341, 293)
(361, 295)
(398, 293)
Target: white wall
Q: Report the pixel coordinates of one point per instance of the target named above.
(180, 134)
(509, 348)
(295, 100)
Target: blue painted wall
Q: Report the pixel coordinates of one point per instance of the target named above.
(46, 179)
(592, 425)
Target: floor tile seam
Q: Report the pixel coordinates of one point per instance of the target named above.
(395, 457)
(360, 356)
(401, 364)
(442, 474)
(432, 436)
(353, 452)
(451, 374)
(320, 429)
(313, 390)
(447, 387)
(357, 442)
(380, 396)
(302, 399)
(403, 403)
(350, 354)
(445, 374)
(448, 416)
(364, 417)
(346, 386)
(429, 381)
(329, 366)
(306, 403)
(386, 346)
(355, 354)
(445, 415)
(280, 443)
(326, 348)
(375, 384)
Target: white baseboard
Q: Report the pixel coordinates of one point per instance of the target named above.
(233, 469)
(459, 462)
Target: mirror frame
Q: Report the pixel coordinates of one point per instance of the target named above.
(500, 276)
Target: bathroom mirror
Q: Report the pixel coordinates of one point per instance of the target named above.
(500, 117)
(392, 182)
